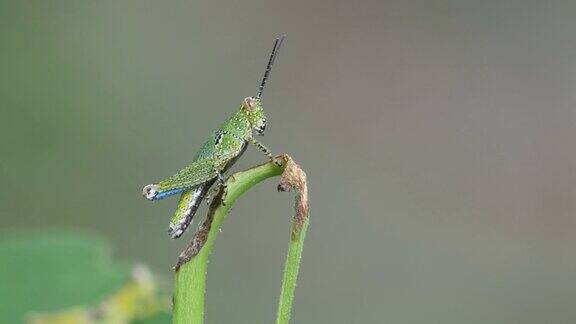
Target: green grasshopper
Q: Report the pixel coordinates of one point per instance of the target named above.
(215, 157)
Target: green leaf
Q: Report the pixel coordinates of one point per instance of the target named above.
(48, 271)
(163, 318)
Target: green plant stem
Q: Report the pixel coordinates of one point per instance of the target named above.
(190, 281)
(291, 273)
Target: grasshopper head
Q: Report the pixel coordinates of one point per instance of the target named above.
(252, 108)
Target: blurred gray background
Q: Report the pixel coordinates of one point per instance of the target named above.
(438, 137)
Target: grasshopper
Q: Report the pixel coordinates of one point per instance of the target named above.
(215, 157)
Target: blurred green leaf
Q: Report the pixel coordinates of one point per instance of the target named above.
(44, 272)
(163, 318)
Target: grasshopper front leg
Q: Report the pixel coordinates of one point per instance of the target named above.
(261, 147)
(264, 149)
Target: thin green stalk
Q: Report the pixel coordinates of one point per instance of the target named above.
(291, 274)
(190, 281)
(293, 178)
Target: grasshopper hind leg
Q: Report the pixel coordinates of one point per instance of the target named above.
(189, 202)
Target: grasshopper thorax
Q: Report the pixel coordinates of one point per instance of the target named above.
(252, 109)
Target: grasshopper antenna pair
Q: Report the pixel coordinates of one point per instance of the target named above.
(216, 156)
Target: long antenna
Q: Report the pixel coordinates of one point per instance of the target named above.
(275, 49)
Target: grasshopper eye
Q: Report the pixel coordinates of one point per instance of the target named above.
(250, 103)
